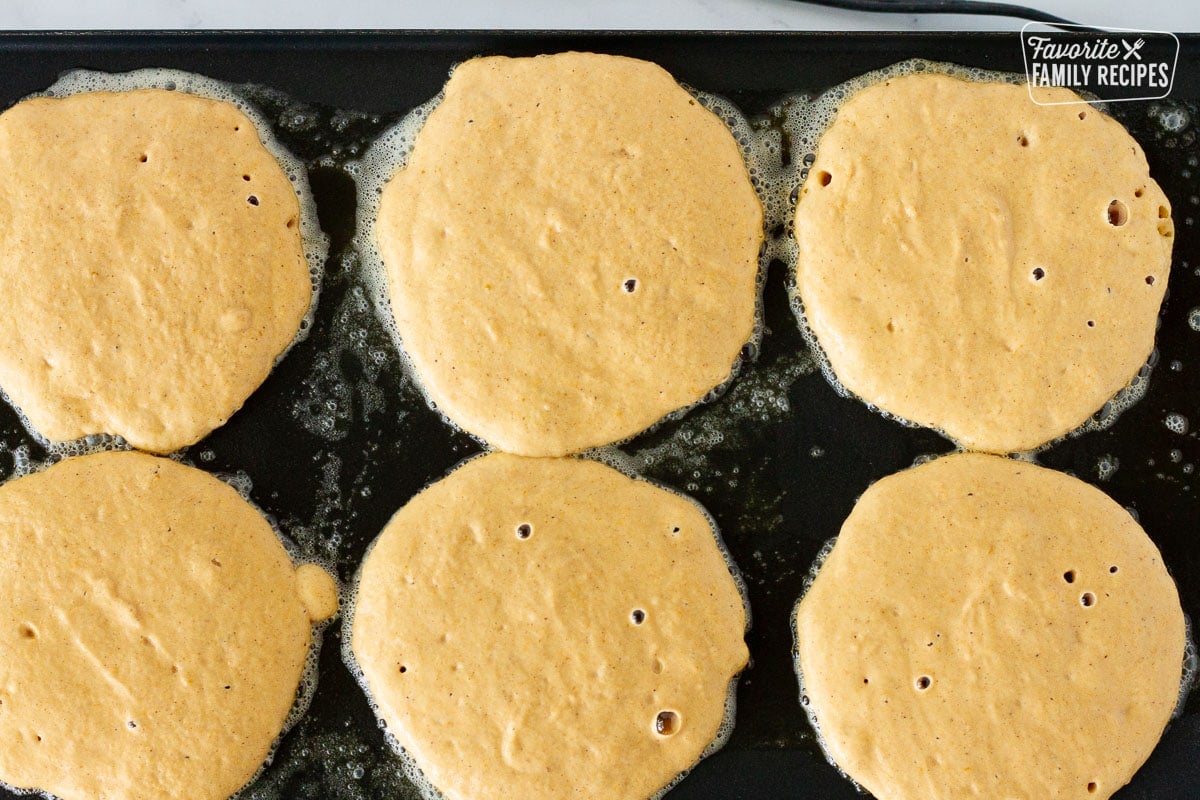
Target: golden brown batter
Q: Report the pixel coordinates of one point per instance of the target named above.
(151, 266)
(572, 250)
(987, 628)
(152, 634)
(549, 628)
(976, 263)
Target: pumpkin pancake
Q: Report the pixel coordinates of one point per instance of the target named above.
(549, 628)
(977, 263)
(571, 251)
(984, 627)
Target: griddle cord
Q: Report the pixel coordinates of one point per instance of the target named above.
(946, 7)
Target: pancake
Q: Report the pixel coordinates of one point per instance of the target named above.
(549, 628)
(152, 634)
(976, 263)
(987, 628)
(571, 251)
(152, 266)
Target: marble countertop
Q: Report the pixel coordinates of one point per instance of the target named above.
(1174, 15)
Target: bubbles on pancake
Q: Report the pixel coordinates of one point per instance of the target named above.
(667, 723)
(626, 465)
(315, 242)
(1118, 215)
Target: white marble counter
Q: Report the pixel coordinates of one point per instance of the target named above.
(1176, 15)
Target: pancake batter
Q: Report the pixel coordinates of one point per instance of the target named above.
(152, 631)
(151, 264)
(572, 250)
(977, 263)
(987, 628)
(549, 628)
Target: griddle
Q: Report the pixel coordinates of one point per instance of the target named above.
(334, 442)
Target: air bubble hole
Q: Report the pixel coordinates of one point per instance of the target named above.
(524, 530)
(1118, 213)
(666, 723)
(1069, 576)
(638, 616)
(1087, 599)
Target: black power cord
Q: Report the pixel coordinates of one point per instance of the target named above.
(946, 7)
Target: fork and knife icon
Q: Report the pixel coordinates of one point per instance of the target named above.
(1132, 49)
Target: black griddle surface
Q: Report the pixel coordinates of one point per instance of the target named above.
(331, 459)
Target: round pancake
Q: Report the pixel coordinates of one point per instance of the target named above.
(987, 628)
(152, 634)
(571, 250)
(977, 263)
(549, 628)
(152, 268)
